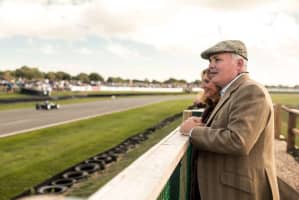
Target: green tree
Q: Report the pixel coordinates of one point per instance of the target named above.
(156, 82)
(196, 82)
(170, 81)
(28, 73)
(137, 81)
(63, 76)
(6, 75)
(115, 80)
(51, 76)
(83, 77)
(95, 77)
(175, 81)
(182, 81)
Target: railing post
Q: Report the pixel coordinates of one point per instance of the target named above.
(187, 114)
(277, 120)
(291, 135)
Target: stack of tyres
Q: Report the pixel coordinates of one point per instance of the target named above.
(77, 175)
(87, 167)
(53, 189)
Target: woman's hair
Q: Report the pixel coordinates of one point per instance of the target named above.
(204, 72)
(203, 98)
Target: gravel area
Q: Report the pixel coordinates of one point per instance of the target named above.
(287, 167)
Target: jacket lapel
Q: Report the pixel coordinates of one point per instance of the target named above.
(226, 97)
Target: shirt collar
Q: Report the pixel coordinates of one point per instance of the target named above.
(229, 84)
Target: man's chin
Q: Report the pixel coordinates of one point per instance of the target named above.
(214, 78)
(215, 82)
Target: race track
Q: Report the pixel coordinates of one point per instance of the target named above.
(18, 121)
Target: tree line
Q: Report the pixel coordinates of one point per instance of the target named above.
(32, 73)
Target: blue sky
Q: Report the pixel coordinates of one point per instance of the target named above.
(155, 39)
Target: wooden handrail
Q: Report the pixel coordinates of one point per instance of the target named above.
(290, 110)
(292, 130)
(295, 131)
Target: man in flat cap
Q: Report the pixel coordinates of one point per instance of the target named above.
(236, 156)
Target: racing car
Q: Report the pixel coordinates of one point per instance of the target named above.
(46, 106)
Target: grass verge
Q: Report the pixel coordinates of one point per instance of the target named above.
(17, 95)
(288, 100)
(4, 95)
(285, 98)
(92, 184)
(74, 100)
(13, 106)
(30, 158)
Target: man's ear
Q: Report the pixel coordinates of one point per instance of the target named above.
(240, 64)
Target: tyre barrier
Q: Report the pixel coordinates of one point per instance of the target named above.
(124, 147)
(114, 156)
(142, 137)
(53, 189)
(152, 129)
(139, 138)
(62, 181)
(129, 144)
(68, 182)
(119, 150)
(106, 157)
(77, 175)
(87, 167)
(101, 163)
(134, 140)
(101, 159)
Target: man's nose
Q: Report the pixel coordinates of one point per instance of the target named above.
(211, 65)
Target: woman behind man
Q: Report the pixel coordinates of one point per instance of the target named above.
(208, 99)
(210, 96)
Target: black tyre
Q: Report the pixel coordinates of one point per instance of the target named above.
(51, 189)
(68, 182)
(75, 175)
(87, 167)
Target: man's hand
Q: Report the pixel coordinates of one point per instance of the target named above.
(190, 123)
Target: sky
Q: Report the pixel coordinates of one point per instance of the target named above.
(156, 39)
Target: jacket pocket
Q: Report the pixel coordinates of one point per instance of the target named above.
(242, 183)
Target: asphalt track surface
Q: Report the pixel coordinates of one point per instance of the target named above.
(23, 120)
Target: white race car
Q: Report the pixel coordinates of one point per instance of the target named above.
(46, 106)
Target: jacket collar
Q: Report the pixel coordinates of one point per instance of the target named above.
(233, 87)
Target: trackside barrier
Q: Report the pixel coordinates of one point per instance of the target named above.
(161, 173)
(149, 174)
(292, 131)
(287, 167)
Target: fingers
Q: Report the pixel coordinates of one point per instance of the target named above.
(197, 119)
(189, 124)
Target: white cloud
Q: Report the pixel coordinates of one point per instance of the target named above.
(62, 20)
(49, 49)
(177, 28)
(228, 5)
(85, 51)
(164, 25)
(122, 51)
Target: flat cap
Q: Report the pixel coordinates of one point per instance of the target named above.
(227, 46)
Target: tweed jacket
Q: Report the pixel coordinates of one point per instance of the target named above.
(236, 147)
